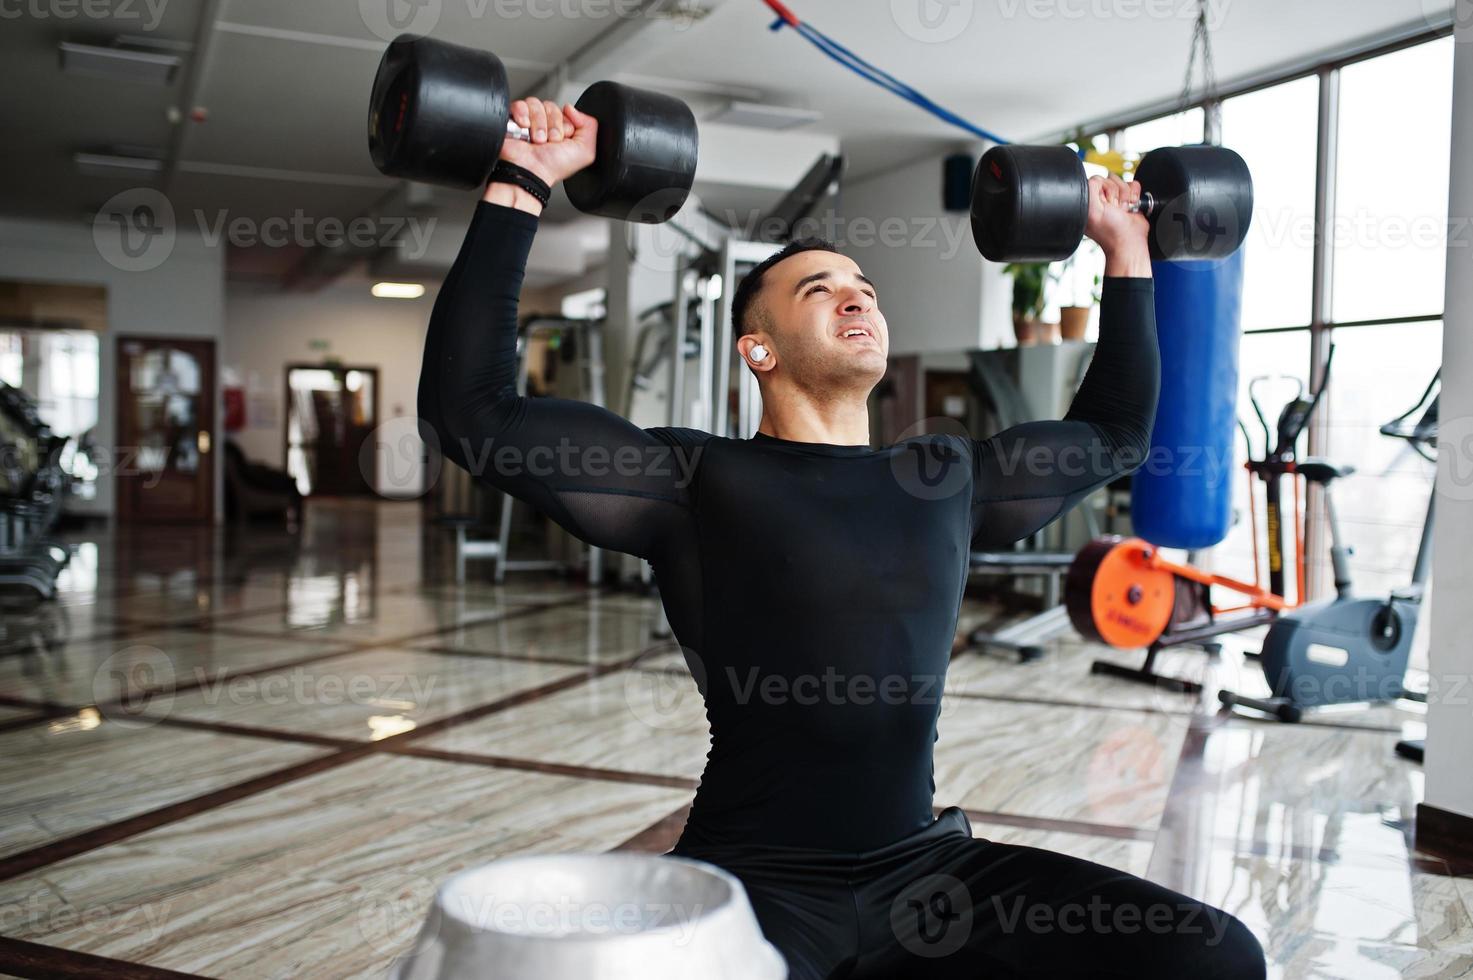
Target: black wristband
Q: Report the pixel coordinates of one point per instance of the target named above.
(506, 172)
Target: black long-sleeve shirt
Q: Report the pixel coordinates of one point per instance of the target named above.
(813, 587)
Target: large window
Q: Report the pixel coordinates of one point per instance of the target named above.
(1386, 261)
(58, 368)
(1274, 131)
(1173, 130)
(1379, 372)
(1391, 184)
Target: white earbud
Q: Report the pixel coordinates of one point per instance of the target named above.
(759, 353)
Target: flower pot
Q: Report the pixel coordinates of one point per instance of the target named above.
(1073, 321)
(1025, 330)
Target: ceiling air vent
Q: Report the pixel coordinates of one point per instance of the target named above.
(118, 64)
(761, 116)
(116, 165)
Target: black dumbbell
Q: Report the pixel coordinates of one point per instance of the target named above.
(439, 113)
(1030, 203)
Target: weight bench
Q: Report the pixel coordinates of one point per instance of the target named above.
(1026, 637)
(467, 548)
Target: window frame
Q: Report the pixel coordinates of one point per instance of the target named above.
(1322, 321)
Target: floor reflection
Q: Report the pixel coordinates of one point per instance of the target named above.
(268, 730)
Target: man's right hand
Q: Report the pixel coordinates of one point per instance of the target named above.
(563, 140)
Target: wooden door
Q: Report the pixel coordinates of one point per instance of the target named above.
(166, 422)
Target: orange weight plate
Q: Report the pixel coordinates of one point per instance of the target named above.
(1114, 597)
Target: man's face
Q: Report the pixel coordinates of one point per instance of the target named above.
(824, 322)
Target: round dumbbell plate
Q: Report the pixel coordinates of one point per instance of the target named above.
(1029, 203)
(646, 157)
(1205, 201)
(438, 112)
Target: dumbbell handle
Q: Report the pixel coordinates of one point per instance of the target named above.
(515, 132)
(1145, 205)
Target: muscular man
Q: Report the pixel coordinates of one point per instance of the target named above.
(814, 582)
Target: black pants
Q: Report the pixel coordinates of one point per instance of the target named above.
(940, 903)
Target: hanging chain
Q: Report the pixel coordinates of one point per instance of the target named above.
(1201, 40)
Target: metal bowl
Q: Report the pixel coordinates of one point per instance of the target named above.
(591, 917)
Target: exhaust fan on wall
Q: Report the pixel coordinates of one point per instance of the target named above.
(118, 64)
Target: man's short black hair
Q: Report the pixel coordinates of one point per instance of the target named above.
(751, 283)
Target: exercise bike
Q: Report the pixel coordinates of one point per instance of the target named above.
(1123, 592)
(1349, 649)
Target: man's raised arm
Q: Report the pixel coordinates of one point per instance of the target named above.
(1029, 475)
(604, 479)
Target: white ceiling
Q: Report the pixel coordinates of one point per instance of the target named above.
(285, 82)
(1023, 69)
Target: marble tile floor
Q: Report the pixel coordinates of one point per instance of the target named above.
(256, 755)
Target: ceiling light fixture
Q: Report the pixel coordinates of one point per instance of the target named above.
(398, 290)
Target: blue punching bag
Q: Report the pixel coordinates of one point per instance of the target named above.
(1182, 497)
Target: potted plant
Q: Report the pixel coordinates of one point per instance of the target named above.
(1028, 300)
(1083, 294)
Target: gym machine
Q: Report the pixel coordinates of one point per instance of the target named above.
(461, 497)
(995, 387)
(1123, 592)
(33, 486)
(1349, 649)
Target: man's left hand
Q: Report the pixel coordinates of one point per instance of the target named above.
(1120, 233)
